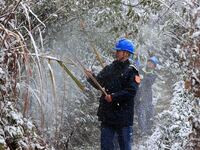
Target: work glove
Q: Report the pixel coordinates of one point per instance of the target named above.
(108, 98)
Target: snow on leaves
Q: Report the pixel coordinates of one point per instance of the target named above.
(17, 132)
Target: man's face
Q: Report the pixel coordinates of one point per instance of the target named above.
(151, 65)
(121, 55)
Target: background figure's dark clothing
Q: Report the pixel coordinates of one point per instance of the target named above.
(143, 102)
(118, 79)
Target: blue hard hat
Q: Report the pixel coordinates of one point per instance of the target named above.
(154, 60)
(125, 45)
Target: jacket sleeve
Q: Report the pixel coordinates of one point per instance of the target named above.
(129, 90)
(100, 78)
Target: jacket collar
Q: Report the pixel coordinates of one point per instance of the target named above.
(120, 64)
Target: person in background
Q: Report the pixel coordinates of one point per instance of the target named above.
(143, 100)
(120, 80)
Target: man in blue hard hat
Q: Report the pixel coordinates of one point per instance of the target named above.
(120, 80)
(143, 99)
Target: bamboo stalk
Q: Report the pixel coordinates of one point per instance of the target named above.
(98, 56)
(91, 76)
(71, 75)
(95, 81)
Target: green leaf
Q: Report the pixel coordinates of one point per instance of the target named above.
(78, 83)
(52, 80)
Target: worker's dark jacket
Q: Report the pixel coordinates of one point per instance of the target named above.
(118, 79)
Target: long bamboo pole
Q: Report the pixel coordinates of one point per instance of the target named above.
(88, 74)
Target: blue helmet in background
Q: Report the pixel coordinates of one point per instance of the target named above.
(125, 45)
(154, 60)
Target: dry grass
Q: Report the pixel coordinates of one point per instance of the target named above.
(21, 56)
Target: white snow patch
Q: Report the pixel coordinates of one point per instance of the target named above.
(17, 117)
(177, 49)
(2, 140)
(39, 146)
(30, 125)
(14, 131)
(197, 23)
(23, 144)
(196, 34)
(1, 71)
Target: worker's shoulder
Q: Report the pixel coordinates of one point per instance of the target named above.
(134, 68)
(135, 73)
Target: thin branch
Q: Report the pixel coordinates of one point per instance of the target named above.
(51, 15)
(6, 21)
(165, 12)
(173, 12)
(129, 5)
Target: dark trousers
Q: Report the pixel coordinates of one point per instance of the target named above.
(124, 136)
(145, 113)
